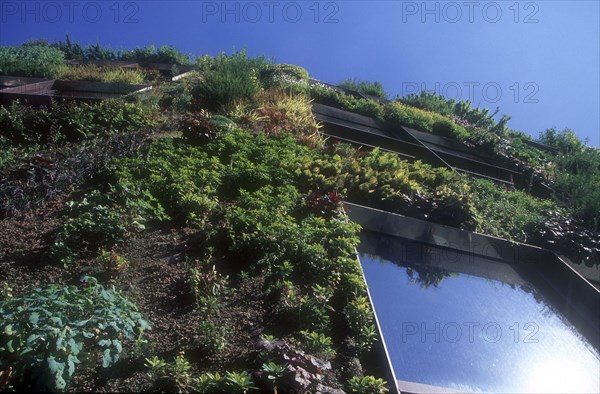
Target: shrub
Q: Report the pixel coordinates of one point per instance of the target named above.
(367, 385)
(475, 117)
(150, 54)
(228, 78)
(508, 214)
(292, 113)
(172, 180)
(201, 130)
(174, 375)
(566, 140)
(371, 88)
(30, 61)
(317, 343)
(402, 114)
(96, 221)
(48, 332)
(577, 185)
(359, 317)
(69, 121)
(281, 75)
(239, 382)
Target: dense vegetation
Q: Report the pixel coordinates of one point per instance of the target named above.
(30, 61)
(47, 60)
(226, 180)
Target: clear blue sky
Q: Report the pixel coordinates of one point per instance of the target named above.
(539, 61)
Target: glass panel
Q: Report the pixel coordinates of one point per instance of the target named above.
(471, 324)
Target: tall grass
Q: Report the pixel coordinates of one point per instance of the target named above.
(90, 72)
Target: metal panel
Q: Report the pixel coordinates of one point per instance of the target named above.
(42, 93)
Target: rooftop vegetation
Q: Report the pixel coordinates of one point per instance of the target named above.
(211, 211)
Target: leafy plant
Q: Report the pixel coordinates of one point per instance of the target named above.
(281, 75)
(176, 373)
(359, 317)
(239, 382)
(214, 334)
(96, 221)
(201, 130)
(367, 385)
(226, 79)
(208, 286)
(48, 332)
(508, 214)
(366, 87)
(112, 262)
(151, 54)
(30, 61)
(69, 121)
(275, 374)
(318, 344)
(209, 382)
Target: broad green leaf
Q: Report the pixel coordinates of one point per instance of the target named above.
(71, 367)
(144, 325)
(80, 323)
(60, 382)
(106, 359)
(117, 344)
(34, 318)
(54, 366)
(75, 347)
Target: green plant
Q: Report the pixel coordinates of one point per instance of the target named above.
(474, 117)
(366, 87)
(359, 317)
(6, 291)
(176, 373)
(209, 383)
(69, 121)
(367, 385)
(508, 214)
(282, 75)
(30, 61)
(275, 374)
(151, 54)
(90, 72)
(239, 382)
(208, 286)
(214, 334)
(112, 262)
(96, 221)
(318, 344)
(49, 331)
(226, 79)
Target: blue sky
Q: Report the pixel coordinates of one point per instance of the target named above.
(539, 61)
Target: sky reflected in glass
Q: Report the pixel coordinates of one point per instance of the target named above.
(471, 333)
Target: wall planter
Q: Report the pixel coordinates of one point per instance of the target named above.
(42, 93)
(435, 150)
(8, 81)
(165, 69)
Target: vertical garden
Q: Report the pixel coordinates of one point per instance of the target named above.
(192, 238)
